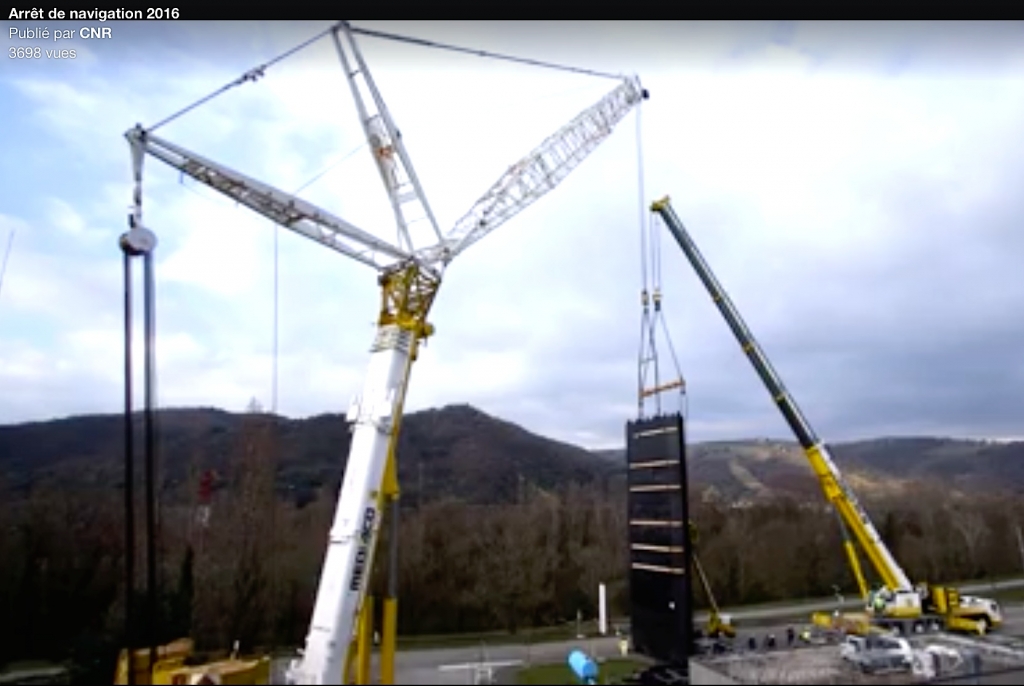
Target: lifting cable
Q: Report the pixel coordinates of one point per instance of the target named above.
(277, 230)
(251, 75)
(7, 254)
(651, 302)
(642, 356)
(274, 350)
(486, 53)
(276, 272)
(257, 72)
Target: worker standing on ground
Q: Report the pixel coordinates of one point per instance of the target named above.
(974, 662)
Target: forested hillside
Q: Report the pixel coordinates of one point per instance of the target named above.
(500, 528)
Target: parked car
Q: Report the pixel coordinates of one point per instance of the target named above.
(877, 654)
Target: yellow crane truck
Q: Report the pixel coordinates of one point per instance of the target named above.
(898, 605)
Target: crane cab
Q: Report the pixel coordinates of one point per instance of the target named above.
(984, 612)
(900, 603)
(982, 606)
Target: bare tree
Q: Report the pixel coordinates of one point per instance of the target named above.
(973, 530)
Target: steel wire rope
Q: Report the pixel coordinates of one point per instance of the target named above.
(277, 229)
(257, 72)
(644, 290)
(485, 53)
(7, 254)
(684, 397)
(276, 287)
(251, 75)
(276, 276)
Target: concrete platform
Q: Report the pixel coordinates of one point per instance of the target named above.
(1002, 661)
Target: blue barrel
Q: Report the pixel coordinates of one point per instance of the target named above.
(583, 667)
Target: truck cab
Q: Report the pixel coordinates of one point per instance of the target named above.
(985, 611)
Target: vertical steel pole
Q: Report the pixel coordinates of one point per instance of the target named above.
(129, 477)
(150, 439)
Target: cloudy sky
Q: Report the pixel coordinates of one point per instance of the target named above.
(856, 188)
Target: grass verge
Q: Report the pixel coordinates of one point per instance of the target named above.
(611, 672)
(549, 634)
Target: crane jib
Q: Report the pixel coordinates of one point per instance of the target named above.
(794, 418)
(848, 508)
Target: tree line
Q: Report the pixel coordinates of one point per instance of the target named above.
(251, 574)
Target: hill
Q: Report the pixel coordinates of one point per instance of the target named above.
(755, 469)
(458, 451)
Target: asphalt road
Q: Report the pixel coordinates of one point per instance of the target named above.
(455, 665)
(804, 609)
(429, 666)
(1013, 625)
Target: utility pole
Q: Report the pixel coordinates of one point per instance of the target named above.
(1020, 546)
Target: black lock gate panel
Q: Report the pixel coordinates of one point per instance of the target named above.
(661, 596)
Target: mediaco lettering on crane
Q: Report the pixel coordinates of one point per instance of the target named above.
(365, 534)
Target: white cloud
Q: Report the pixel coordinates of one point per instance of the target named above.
(789, 160)
(21, 363)
(65, 218)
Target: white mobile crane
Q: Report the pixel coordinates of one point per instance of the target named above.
(899, 605)
(409, 280)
